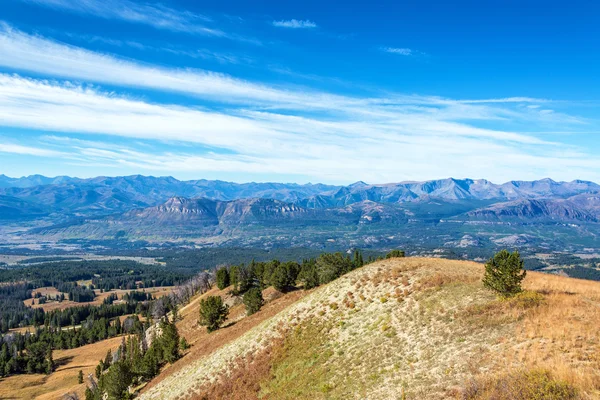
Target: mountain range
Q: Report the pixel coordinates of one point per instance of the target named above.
(164, 208)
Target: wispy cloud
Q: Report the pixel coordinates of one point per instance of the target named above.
(268, 142)
(27, 150)
(25, 52)
(295, 24)
(155, 15)
(403, 51)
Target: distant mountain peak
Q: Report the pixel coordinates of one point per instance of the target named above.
(358, 184)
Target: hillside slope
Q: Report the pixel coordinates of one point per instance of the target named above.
(402, 328)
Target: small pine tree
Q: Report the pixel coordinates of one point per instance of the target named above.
(279, 278)
(49, 361)
(80, 377)
(222, 278)
(309, 275)
(253, 300)
(504, 273)
(107, 360)
(183, 344)
(170, 342)
(213, 312)
(358, 259)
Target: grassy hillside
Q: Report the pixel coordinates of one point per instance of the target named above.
(64, 379)
(400, 328)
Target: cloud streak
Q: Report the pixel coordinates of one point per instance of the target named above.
(403, 51)
(381, 147)
(295, 24)
(155, 15)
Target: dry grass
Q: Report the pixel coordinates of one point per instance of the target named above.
(536, 384)
(64, 379)
(243, 378)
(415, 328)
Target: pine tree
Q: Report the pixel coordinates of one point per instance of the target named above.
(222, 278)
(183, 344)
(170, 342)
(107, 360)
(504, 273)
(279, 278)
(308, 274)
(253, 300)
(358, 259)
(116, 382)
(213, 312)
(80, 377)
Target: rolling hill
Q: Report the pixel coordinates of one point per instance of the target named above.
(418, 328)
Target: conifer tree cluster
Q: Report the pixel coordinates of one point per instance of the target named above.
(134, 362)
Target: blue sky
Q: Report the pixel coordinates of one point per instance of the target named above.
(301, 91)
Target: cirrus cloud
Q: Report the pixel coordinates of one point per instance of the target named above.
(295, 24)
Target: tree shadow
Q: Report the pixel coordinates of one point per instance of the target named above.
(59, 362)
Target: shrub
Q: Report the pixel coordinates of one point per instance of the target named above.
(213, 312)
(253, 300)
(525, 300)
(504, 273)
(534, 384)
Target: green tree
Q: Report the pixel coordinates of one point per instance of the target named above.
(279, 278)
(308, 274)
(241, 278)
(285, 275)
(150, 364)
(117, 380)
(213, 312)
(504, 273)
(183, 344)
(170, 342)
(358, 259)
(395, 253)
(222, 278)
(107, 360)
(253, 300)
(80, 377)
(331, 266)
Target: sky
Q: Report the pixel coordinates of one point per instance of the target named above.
(311, 91)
